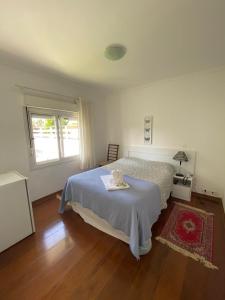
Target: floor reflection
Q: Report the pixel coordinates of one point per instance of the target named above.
(57, 230)
(57, 241)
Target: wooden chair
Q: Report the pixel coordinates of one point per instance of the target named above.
(112, 154)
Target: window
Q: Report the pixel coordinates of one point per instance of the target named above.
(70, 136)
(54, 135)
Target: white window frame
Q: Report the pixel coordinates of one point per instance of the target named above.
(57, 114)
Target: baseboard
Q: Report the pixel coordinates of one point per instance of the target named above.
(207, 197)
(223, 201)
(46, 198)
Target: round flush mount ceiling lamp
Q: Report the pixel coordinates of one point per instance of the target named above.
(115, 51)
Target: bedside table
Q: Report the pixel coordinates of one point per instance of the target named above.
(182, 187)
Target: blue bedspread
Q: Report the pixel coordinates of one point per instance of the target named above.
(132, 210)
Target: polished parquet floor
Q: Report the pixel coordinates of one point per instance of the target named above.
(68, 259)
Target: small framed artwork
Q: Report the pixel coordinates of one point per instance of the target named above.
(148, 129)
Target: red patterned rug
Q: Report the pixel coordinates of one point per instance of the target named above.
(189, 230)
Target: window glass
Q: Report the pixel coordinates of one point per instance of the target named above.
(45, 138)
(54, 136)
(70, 136)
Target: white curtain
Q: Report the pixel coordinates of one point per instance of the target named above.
(86, 149)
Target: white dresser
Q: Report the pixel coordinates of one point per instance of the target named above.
(16, 215)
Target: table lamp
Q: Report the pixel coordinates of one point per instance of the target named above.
(180, 156)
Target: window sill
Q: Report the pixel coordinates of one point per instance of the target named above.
(34, 167)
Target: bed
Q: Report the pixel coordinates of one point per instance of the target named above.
(125, 214)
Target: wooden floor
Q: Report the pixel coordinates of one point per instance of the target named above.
(68, 259)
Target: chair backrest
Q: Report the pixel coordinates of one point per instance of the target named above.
(113, 151)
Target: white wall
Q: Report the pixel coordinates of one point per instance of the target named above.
(188, 112)
(13, 147)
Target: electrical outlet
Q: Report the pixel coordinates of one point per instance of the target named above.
(203, 190)
(214, 194)
(208, 192)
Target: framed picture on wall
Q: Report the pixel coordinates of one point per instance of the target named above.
(148, 129)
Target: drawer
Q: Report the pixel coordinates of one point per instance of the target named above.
(181, 192)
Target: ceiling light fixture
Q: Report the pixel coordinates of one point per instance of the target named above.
(115, 51)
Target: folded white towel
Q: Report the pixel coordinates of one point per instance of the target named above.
(117, 176)
(110, 185)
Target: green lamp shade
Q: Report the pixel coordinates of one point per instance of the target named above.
(115, 52)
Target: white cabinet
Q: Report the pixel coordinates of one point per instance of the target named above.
(182, 187)
(16, 215)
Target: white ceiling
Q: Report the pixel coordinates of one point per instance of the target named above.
(164, 38)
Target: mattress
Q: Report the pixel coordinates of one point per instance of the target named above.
(91, 218)
(161, 173)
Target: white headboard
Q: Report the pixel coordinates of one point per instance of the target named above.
(162, 154)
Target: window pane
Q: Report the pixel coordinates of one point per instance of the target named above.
(45, 138)
(70, 136)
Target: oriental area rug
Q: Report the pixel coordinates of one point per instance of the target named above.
(189, 231)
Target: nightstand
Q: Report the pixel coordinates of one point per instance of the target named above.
(182, 187)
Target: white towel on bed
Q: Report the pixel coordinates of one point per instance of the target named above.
(110, 185)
